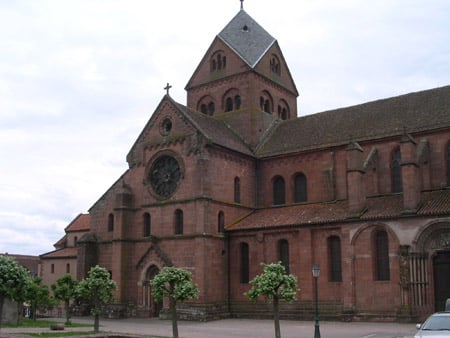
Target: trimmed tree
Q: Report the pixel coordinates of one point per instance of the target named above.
(13, 280)
(98, 289)
(177, 285)
(65, 290)
(275, 284)
(39, 296)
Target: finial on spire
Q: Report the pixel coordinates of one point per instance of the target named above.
(167, 88)
(242, 4)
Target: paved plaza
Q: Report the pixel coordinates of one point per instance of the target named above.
(237, 328)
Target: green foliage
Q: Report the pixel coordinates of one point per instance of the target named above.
(13, 279)
(39, 296)
(65, 290)
(274, 282)
(98, 289)
(175, 283)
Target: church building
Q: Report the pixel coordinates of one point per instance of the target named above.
(233, 178)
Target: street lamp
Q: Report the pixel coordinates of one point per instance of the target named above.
(316, 273)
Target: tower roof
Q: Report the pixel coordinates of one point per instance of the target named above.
(247, 38)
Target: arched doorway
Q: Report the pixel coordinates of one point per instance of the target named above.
(441, 269)
(148, 301)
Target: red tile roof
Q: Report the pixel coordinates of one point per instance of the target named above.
(61, 253)
(379, 207)
(80, 223)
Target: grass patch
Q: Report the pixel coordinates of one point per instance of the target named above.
(26, 322)
(61, 334)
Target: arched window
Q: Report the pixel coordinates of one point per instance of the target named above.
(278, 191)
(265, 102)
(229, 104)
(218, 61)
(381, 255)
(147, 224)
(396, 171)
(334, 259)
(178, 222)
(283, 110)
(237, 102)
(237, 190)
(67, 268)
(275, 64)
(220, 222)
(75, 241)
(300, 192)
(206, 105)
(448, 165)
(244, 263)
(283, 253)
(110, 222)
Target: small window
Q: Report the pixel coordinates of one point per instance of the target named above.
(218, 61)
(52, 268)
(75, 241)
(237, 190)
(382, 256)
(275, 65)
(237, 102)
(283, 253)
(67, 268)
(110, 222)
(300, 194)
(396, 171)
(244, 264)
(147, 224)
(279, 191)
(221, 222)
(178, 222)
(334, 259)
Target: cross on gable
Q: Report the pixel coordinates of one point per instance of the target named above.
(167, 88)
(242, 4)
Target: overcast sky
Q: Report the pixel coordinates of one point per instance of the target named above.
(79, 80)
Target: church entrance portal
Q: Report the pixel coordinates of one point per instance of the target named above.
(149, 302)
(441, 267)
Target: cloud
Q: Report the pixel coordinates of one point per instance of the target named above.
(80, 79)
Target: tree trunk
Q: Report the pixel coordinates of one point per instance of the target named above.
(173, 311)
(67, 309)
(2, 300)
(19, 313)
(276, 317)
(96, 323)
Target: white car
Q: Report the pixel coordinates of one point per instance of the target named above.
(436, 326)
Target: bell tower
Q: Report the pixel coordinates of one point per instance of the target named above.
(243, 80)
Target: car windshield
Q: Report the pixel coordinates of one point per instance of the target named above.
(437, 322)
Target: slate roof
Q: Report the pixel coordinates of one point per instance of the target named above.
(247, 38)
(434, 203)
(414, 112)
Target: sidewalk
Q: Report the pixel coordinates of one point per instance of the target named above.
(235, 328)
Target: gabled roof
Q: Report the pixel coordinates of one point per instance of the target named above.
(414, 112)
(80, 223)
(247, 38)
(214, 130)
(434, 203)
(62, 253)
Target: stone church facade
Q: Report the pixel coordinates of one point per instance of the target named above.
(234, 178)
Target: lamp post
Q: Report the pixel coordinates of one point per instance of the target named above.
(316, 273)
